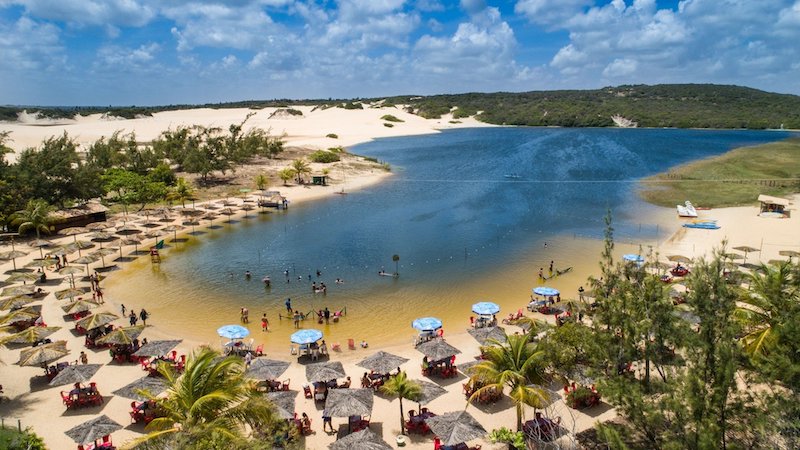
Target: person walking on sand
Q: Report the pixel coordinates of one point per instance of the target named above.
(264, 323)
(297, 319)
(132, 318)
(541, 273)
(84, 358)
(122, 307)
(288, 304)
(143, 314)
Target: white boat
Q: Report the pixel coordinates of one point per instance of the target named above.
(687, 210)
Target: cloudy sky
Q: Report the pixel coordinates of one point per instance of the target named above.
(146, 52)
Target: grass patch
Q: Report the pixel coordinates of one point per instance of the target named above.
(734, 178)
(388, 125)
(332, 135)
(391, 118)
(13, 439)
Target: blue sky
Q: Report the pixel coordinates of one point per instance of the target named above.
(152, 52)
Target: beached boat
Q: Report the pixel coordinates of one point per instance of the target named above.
(702, 225)
(687, 210)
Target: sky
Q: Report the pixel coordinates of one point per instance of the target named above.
(159, 52)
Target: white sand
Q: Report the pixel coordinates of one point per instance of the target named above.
(309, 130)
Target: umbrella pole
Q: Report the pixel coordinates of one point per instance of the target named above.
(41, 253)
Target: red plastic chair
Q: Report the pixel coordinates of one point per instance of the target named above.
(440, 332)
(307, 392)
(437, 444)
(285, 384)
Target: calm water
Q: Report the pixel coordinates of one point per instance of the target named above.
(463, 230)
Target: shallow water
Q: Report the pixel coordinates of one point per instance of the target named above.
(463, 230)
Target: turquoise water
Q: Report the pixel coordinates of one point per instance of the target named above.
(450, 212)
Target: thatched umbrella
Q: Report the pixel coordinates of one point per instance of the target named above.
(134, 241)
(325, 371)
(228, 212)
(284, 402)
(73, 231)
(455, 427)
(29, 335)
(210, 218)
(485, 334)
(21, 315)
(382, 362)
(349, 402)
(465, 367)
(15, 301)
(430, 392)
(128, 229)
(152, 385)
(745, 249)
(97, 320)
(97, 226)
(80, 373)
(157, 348)
(174, 229)
(25, 277)
(247, 208)
(102, 253)
(79, 306)
(80, 245)
(192, 223)
(69, 270)
(12, 255)
(361, 440)
(437, 349)
(790, 253)
(40, 243)
(266, 369)
(43, 354)
(679, 258)
(86, 260)
(122, 336)
(62, 250)
(18, 290)
(93, 430)
(69, 293)
(40, 263)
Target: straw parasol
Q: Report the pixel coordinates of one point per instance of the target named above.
(43, 354)
(40, 263)
(79, 306)
(69, 293)
(102, 253)
(21, 315)
(122, 336)
(157, 348)
(382, 362)
(24, 277)
(12, 255)
(437, 349)
(361, 440)
(86, 260)
(40, 243)
(99, 226)
(429, 392)
(325, 371)
(789, 253)
(247, 208)
(284, 403)
(80, 245)
(349, 402)
(152, 385)
(210, 218)
(679, 258)
(126, 230)
(18, 290)
(73, 231)
(93, 430)
(15, 301)
(69, 270)
(97, 320)
(228, 212)
(72, 374)
(465, 367)
(62, 250)
(174, 229)
(266, 369)
(485, 334)
(29, 335)
(455, 427)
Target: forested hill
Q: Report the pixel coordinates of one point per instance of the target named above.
(665, 105)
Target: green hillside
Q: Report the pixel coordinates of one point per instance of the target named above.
(667, 105)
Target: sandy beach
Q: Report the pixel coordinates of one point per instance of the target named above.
(28, 398)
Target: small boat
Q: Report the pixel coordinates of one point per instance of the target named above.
(687, 210)
(387, 274)
(702, 225)
(512, 176)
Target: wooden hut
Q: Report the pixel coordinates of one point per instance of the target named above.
(773, 204)
(89, 212)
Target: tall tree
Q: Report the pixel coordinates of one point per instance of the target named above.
(517, 364)
(300, 168)
(403, 388)
(35, 216)
(211, 398)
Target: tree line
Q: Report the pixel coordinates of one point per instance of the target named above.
(123, 170)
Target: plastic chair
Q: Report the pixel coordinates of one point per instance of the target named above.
(440, 332)
(107, 441)
(285, 384)
(336, 347)
(351, 344)
(472, 321)
(260, 350)
(307, 391)
(174, 355)
(437, 444)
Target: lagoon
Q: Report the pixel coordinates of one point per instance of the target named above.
(472, 215)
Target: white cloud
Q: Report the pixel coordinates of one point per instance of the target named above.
(27, 45)
(620, 68)
(550, 12)
(119, 58)
(220, 25)
(473, 6)
(124, 13)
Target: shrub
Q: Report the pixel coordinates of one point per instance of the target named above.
(332, 136)
(338, 149)
(323, 156)
(164, 174)
(13, 439)
(294, 112)
(388, 125)
(391, 118)
(371, 159)
(352, 105)
(455, 121)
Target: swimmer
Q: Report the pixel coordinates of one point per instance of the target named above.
(267, 281)
(339, 281)
(247, 274)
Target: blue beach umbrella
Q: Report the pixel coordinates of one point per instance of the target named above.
(633, 258)
(306, 336)
(233, 331)
(427, 324)
(545, 291)
(486, 308)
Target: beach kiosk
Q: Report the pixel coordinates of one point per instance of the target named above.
(771, 204)
(427, 327)
(486, 314)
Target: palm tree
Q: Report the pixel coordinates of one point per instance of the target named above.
(35, 216)
(400, 386)
(183, 191)
(286, 174)
(767, 307)
(211, 399)
(300, 168)
(261, 181)
(516, 364)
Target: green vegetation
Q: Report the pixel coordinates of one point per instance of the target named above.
(294, 112)
(14, 439)
(388, 125)
(391, 118)
(324, 156)
(299, 168)
(735, 178)
(332, 136)
(337, 149)
(353, 105)
(403, 388)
